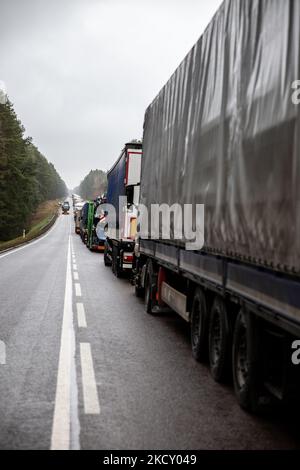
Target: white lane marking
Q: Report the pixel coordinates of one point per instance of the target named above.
(64, 434)
(30, 243)
(2, 353)
(81, 316)
(90, 394)
(77, 289)
(76, 277)
(74, 267)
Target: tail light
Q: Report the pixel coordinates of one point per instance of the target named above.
(128, 257)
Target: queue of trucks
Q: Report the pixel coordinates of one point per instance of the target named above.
(223, 133)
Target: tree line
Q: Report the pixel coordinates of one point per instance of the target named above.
(26, 177)
(93, 185)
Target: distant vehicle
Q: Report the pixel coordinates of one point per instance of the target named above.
(84, 221)
(76, 199)
(65, 207)
(88, 223)
(100, 222)
(77, 216)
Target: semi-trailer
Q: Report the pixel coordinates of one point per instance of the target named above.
(123, 182)
(86, 213)
(225, 133)
(88, 224)
(77, 215)
(96, 236)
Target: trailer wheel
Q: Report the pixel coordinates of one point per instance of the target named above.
(115, 265)
(107, 261)
(199, 333)
(150, 288)
(139, 291)
(219, 341)
(245, 367)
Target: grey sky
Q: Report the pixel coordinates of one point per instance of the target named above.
(82, 72)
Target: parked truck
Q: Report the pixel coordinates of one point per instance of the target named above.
(88, 224)
(123, 181)
(77, 215)
(96, 236)
(224, 132)
(76, 199)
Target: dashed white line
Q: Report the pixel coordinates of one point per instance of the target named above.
(76, 277)
(2, 353)
(64, 436)
(77, 289)
(90, 394)
(74, 267)
(81, 316)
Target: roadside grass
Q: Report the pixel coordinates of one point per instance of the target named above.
(39, 221)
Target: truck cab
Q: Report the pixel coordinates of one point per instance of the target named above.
(65, 207)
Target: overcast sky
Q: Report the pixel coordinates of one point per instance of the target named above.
(82, 72)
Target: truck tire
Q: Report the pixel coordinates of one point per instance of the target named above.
(115, 265)
(107, 261)
(219, 341)
(150, 288)
(139, 291)
(245, 362)
(199, 330)
(113, 261)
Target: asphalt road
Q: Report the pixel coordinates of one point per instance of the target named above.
(86, 368)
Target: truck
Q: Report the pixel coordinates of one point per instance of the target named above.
(224, 133)
(76, 199)
(77, 216)
(96, 236)
(88, 224)
(65, 208)
(123, 181)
